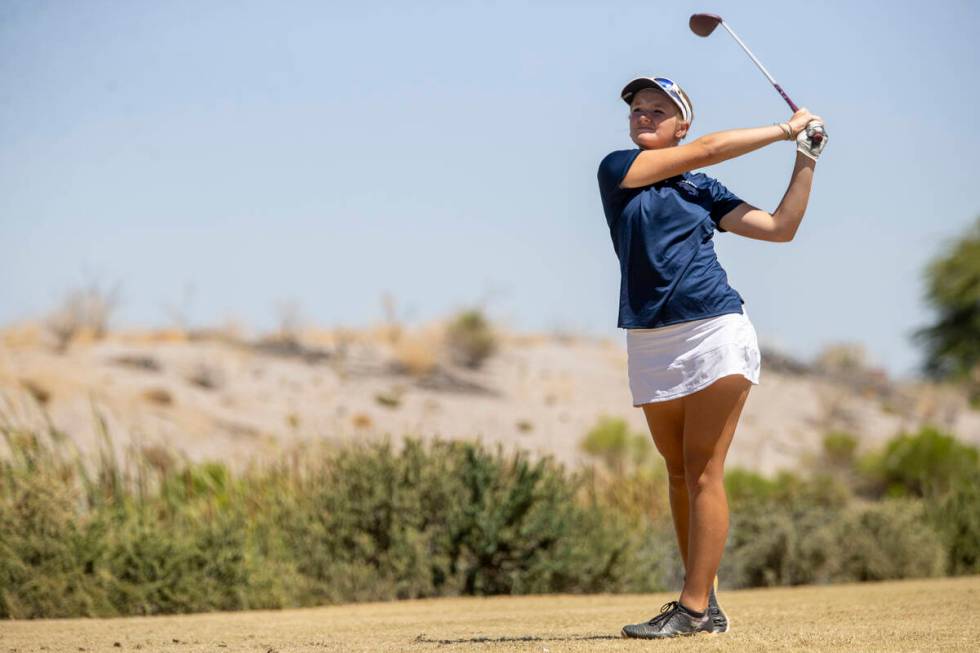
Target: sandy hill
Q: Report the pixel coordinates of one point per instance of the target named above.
(217, 395)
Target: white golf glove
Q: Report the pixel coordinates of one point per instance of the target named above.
(805, 144)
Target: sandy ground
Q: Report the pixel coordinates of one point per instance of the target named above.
(235, 402)
(911, 615)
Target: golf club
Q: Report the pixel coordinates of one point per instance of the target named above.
(705, 24)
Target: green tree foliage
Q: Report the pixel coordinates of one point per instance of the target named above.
(952, 342)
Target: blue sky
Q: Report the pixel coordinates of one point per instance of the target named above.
(445, 153)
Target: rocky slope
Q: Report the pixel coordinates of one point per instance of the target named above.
(213, 395)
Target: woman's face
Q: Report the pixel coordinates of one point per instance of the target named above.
(655, 121)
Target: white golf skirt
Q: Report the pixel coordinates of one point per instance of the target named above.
(679, 359)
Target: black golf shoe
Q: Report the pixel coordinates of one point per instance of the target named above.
(674, 620)
(719, 620)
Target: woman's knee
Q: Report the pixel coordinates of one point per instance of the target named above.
(676, 473)
(697, 479)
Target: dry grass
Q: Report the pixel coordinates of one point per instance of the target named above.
(417, 353)
(36, 389)
(913, 615)
(158, 396)
(22, 335)
(152, 336)
(362, 421)
(83, 315)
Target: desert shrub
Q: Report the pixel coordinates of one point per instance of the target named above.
(612, 442)
(470, 338)
(391, 399)
(839, 448)
(889, 540)
(955, 515)
(641, 494)
(81, 541)
(745, 486)
(631, 480)
(781, 529)
(795, 529)
(47, 557)
(749, 489)
(374, 521)
(368, 522)
(801, 543)
(770, 546)
(455, 519)
(922, 464)
(161, 567)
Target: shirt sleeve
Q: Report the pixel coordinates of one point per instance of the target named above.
(614, 167)
(612, 170)
(722, 202)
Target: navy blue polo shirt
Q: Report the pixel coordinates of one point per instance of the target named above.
(662, 234)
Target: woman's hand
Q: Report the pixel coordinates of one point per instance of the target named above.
(801, 119)
(811, 141)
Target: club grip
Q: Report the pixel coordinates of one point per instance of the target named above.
(792, 105)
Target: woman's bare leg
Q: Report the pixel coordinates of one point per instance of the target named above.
(710, 418)
(666, 422)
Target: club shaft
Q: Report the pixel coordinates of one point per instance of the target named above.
(758, 63)
(792, 105)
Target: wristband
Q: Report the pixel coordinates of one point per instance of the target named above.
(786, 130)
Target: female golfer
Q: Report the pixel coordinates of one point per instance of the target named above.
(692, 351)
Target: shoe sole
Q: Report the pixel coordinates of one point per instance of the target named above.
(728, 621)
(728, 625)
(623, 635)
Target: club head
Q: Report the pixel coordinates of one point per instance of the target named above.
(704, 24)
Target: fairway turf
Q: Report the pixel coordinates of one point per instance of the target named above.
(911, 615)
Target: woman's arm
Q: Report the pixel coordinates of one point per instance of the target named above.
(654, 165)
(789, 213)
(780, 226)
